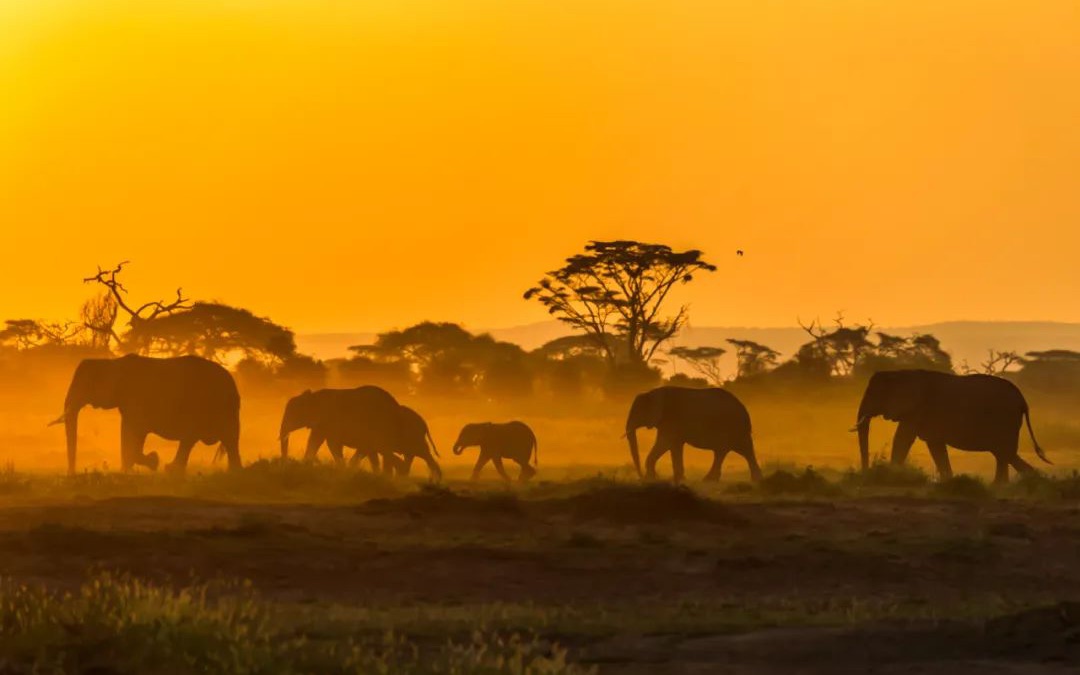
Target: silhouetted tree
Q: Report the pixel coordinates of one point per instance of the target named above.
(684, 380)
(998, 362)
(214, 331)
(705, 360)
(1054, 371)
(104, 323)
(840, 348)
(570, 365)
(31, 333)
(617, 289)
(893, 352)
(447, 359)
(753, 359)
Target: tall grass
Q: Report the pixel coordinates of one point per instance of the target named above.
(120, 624)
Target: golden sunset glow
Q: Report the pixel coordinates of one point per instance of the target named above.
(366, 164)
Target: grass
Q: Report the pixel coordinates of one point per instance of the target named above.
(614, 495)
(119, 624)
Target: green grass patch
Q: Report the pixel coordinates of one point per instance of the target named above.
(120, 624)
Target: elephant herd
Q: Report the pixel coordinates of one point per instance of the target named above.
(190, 400)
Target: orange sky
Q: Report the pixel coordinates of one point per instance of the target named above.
(360, 164)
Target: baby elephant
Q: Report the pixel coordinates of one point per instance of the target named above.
(512, 440)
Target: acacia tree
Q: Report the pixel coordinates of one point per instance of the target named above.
(447, 359)
(615, 292)
(704, 360)
(753, 358)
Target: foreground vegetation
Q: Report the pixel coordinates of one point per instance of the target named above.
(291, 481)
(346, 572)
(122, 624)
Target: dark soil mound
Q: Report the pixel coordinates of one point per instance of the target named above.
(648, 502)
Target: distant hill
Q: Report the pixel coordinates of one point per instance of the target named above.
(965, 340)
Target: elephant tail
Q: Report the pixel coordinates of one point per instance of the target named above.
(432, 441)
(1031, 432)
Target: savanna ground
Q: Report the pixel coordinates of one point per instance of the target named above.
(290, 568)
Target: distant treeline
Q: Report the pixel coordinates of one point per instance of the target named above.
(611, 295)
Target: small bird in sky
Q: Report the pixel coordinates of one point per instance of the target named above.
(739, 252)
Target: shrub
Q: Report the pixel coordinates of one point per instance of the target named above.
(809, 482)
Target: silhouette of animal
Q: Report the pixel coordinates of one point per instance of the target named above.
(514, 441)
(186, 399)
(968, 412)
(710, 419)
(414, 442)
(365, 418)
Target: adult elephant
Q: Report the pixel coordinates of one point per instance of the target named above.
(186, 399)
(968, 412)
(365, 418)
(710, 419)
(414, 441)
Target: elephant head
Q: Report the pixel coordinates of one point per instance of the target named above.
(646, 411)
(97, 382)
(471, 435)
(894, 395)
(299, 413)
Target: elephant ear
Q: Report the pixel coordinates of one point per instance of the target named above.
(906, 396)
(657, 407)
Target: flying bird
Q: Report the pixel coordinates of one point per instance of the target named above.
(739, 253)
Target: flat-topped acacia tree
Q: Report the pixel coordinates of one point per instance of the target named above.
(615, 293)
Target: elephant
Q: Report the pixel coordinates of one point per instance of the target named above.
(509, 440)
(186, 399)
(414, 442)
(365, 418)
(968, 412)
(710, 419)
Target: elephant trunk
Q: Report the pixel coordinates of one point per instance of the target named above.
(631, 438)
(284, 445)
(863, 429)
(862, 426)
(71, 429)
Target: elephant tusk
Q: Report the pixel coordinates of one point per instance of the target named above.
(58, 420)
(858, 424)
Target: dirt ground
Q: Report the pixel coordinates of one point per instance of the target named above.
(632, 580)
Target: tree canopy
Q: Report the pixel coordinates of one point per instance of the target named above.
(618, 289)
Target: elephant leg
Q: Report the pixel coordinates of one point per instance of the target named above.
(677, 469)
(527, 471)
(497, 461)
(902, 442)
(940, 455)
(390, 464)
(232, 452)
(337, 451)
(481, 461)
(132, 441)
(717, 462)
(314, 441)
(1001, 470)
(179, 464)
(751, 461)
(658, 450)
(1020, 465)
(406, 464)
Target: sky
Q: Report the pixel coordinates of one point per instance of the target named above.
(359, 165)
